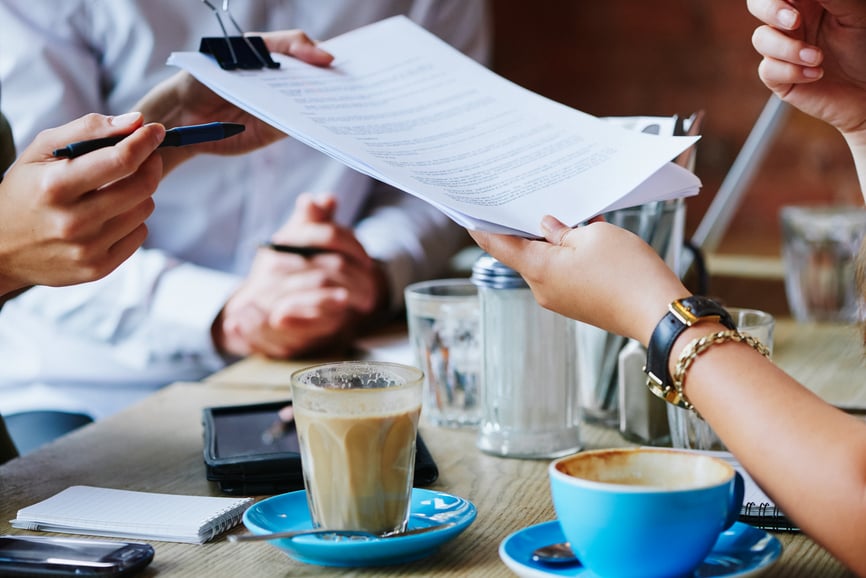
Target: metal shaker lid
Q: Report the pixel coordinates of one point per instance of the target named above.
(490, 272)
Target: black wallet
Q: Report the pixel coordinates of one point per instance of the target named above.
(249, 450)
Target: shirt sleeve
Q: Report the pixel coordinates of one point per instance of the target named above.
(50, 74)
(151, 313)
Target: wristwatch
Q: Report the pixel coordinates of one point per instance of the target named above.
(682, 314)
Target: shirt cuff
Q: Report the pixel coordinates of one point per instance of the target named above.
(188, 298)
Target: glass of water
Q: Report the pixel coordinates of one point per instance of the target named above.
(443, 318)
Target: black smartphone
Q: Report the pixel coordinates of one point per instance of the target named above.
(55, 556)
(248, 450)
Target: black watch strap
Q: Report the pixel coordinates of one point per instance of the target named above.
(682, 314)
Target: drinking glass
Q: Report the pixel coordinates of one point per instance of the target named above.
(820, 244)
(443, 319)
(357, 423)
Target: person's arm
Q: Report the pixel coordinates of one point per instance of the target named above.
(60, 61)
(809, 457)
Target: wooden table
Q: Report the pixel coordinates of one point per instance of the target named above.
(156, 445)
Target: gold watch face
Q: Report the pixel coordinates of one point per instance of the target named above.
(687, 316)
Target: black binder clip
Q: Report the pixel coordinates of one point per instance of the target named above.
(236, 52)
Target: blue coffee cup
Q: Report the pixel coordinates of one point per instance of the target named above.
(646, 512)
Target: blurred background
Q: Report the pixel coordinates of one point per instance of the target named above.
(666, 57)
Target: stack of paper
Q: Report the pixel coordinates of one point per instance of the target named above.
(402, 106)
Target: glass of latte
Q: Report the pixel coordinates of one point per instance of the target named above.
(357, 423)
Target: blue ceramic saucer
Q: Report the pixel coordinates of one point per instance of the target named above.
(288, 512)
(741, 551)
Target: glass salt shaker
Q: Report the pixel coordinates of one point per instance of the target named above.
(643, 416)
(530, 407)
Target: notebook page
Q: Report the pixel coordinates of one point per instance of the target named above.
(112, 512)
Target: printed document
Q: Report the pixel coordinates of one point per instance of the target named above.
(404, 107)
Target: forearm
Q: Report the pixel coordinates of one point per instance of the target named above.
(808, 456)
(152, 312)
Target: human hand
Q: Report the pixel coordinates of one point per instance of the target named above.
(290, 304)
(815, 58)
(182, 100)
(66, 221)
(598, 273)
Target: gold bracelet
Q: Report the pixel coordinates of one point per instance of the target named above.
(698, 346)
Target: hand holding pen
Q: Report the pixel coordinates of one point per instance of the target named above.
(175, 137)
(75, 222)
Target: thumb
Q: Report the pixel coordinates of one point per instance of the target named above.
(89, 126)
(308, 209)
(555, 231)
(297, 44)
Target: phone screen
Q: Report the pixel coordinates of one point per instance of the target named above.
(250, 450)
(70, 556)
(246, 433)
(32, 550)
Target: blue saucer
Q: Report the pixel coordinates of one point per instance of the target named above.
(741, 551)
(288, 512)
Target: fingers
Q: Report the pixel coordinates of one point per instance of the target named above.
(86, 127)
(95, 245)
(311, 225)
(555, 231)
(297, 44)
(118, 252)
(297, 324)
(98, 220)
(787, 60)
(313, 209)
(778, 13)
(327, 272)
(131, 193)
(325, 305)
(70, 178)
(516, 252)
(501, 246)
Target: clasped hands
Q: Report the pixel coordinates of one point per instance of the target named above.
(291, 305)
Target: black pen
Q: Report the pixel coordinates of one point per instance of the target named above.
(175, 137)
(294, 249)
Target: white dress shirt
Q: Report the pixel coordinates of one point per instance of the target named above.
(96, 347)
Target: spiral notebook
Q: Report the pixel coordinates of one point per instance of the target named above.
(758, 509)
(136, 515)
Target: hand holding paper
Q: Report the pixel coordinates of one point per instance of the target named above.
(400, 105)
